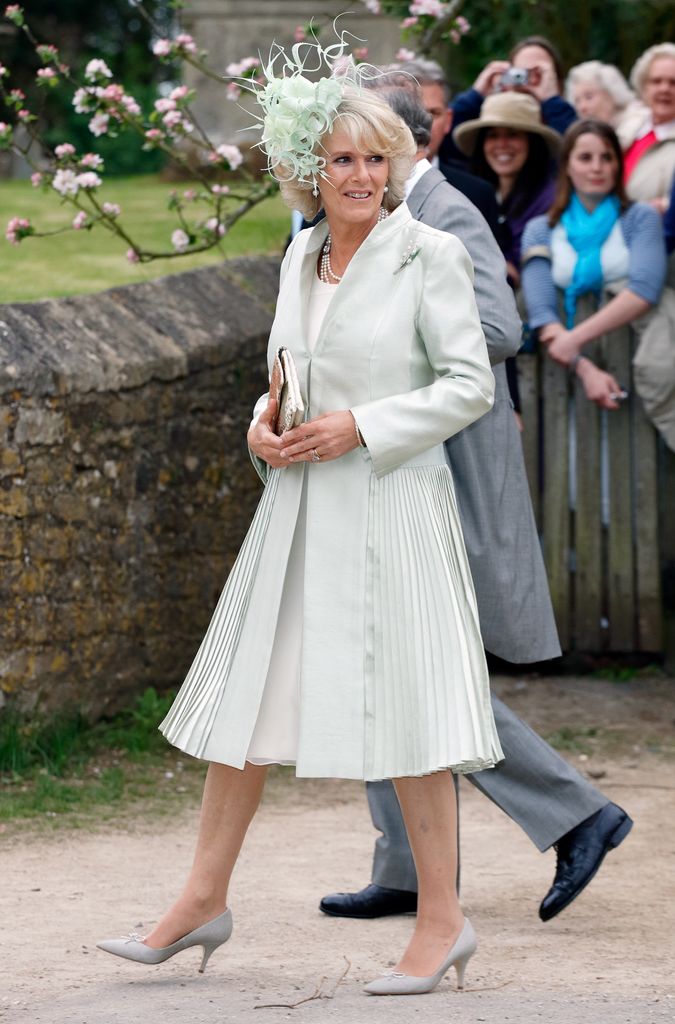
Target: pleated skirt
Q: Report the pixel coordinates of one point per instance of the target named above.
(402, 691)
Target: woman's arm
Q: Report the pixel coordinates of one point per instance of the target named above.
(619, 311)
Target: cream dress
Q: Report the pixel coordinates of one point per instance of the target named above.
(275, 737)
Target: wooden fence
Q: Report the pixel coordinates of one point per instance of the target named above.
(603, 490)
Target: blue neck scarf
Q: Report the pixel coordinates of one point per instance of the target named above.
(587, 233)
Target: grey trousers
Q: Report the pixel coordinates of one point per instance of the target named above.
(534, 785)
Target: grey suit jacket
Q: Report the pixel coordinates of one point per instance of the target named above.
(486, 458)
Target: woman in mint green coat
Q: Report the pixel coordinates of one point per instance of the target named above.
(346, 639)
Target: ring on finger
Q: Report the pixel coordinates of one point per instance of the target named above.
(315, 455)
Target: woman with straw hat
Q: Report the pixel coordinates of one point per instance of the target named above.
(511, 147)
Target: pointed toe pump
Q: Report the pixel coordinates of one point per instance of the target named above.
(395, 984)
(209, 936)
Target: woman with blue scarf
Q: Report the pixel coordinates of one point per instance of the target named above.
(591, 236)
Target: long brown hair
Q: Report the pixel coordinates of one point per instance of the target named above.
(563, 187)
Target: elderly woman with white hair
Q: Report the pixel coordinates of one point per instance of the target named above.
(599, 92)
(346, 640)
(648, 137)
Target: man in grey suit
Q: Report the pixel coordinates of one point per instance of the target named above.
(536, 787)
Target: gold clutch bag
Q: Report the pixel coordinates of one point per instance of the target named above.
(285, 388)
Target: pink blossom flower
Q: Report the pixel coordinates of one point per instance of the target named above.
(65, 182)
(3, 71)
(186, 42)
(36, 179)
(179, 93)
(130, 105)
(79, 220)
(88, 180)
(232, 91)
(220, 190)
(189, 195)
(18, 228)
(409, 22)
(360, 52)
(180, 240)
(64, 150)
(133, 256)
(47, 53)
(153, 135)
(97, 69)
(112, 93)
(462, 24)
(165, 104)
(242, 67)
(99, 124)
(231, 154)
(162, 48)
(374, 6)
(92, 160)
(300, 34)
(173, 118)
(23, 115)
(455, 35)
(15, 13)
(46, 73)
(111, 209)
(5, 131)
(404, 54)
(213, 225)
(17, 96)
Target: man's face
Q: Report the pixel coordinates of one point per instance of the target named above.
(433, 98)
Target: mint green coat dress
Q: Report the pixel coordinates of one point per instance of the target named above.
(392, 676)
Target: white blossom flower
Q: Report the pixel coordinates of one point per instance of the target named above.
(79, 220)
(63, 150)
(65, 182)
(180, 240)
(162, 48)
(232, 154)
(97, 69)
(405, 55)
(165, 104)
(89, 179)
(83, 101)
(214, 225)
(111, 209)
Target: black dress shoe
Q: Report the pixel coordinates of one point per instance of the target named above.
(373, 901)
(580, 854)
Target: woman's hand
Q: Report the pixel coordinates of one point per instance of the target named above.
(543, 82)
(562, 344)
(599, 386)
(660, 204)
(262, 440)
(489, 76)
(330, 436)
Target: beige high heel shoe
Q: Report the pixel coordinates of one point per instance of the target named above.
(209, 936)
(394, 983)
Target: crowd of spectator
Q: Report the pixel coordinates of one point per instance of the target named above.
(582, 168)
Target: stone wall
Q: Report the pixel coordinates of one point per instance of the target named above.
(125, 484)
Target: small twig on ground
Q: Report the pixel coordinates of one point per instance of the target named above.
(317, 994)
(487, 988)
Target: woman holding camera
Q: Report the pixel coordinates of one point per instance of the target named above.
(533, 66)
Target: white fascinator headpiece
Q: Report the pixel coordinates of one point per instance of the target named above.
(298, 110)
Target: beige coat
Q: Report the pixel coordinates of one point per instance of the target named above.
(653, 175)
(393, 678)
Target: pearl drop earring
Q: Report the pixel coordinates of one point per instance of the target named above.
(386, 188)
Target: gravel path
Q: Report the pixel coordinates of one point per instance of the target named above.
(608, 958)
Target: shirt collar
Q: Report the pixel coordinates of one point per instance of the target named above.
(661, 131)
(419, 169)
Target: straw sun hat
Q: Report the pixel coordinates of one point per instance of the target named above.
(515, 110)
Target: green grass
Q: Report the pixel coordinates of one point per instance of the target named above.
(62, 771)
(88, 261)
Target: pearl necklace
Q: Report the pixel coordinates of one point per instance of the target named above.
(326, 273)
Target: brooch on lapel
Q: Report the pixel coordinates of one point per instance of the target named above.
(409, 255)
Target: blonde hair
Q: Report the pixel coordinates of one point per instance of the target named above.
(638, 75)
(373, 127)
(606, 77)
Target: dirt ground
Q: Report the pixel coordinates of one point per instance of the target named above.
(608, 958)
